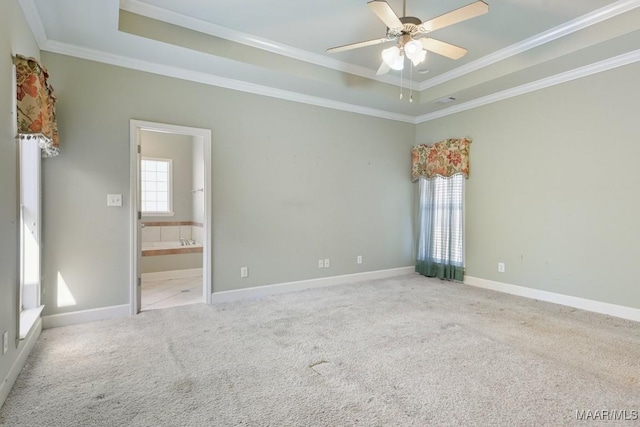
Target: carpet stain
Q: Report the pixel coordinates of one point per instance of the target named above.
(184, 385)
(450, 326)
(320, 362)
(317, 364)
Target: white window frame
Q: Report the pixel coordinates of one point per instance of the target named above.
(462, 207)
(459, 206)
(169, 211)
(29, 192)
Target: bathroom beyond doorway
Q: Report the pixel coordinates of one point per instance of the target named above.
(171, 204)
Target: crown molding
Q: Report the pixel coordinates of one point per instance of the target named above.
(614, 9)
(164, 15)
(212, 80)
(587, 70)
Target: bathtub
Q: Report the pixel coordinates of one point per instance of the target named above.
(170, 248)
(169, 256)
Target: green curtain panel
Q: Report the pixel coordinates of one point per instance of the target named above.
(441, 170)
(36, 105)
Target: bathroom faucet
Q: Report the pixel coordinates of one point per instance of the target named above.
(184, 242)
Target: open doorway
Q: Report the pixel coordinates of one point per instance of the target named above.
(170, 214)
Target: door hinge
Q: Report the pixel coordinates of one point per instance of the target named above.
(139, 215)
(139, 151)
(139, 281)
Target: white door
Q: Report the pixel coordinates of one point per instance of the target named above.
(139, 233)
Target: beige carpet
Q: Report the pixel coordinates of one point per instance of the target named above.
(407, 351)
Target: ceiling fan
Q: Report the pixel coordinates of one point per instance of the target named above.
(408, 32)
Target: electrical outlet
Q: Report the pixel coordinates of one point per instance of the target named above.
(359, 259)
(244, 272)
(327, 263)
(501, 267)
(5, 342)
(320, 263)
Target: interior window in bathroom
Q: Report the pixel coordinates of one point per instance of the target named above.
(156, 186)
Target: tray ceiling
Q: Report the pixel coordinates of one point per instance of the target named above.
(277, 48)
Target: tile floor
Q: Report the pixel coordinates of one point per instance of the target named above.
(158, 294)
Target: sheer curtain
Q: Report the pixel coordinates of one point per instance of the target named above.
(440, 228)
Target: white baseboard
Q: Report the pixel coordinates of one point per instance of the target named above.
(23, 352)
(173, 274)
(84, 316)
(570, 301)
(263, 291)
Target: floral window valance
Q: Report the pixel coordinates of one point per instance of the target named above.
(445, 158)
(36, 105)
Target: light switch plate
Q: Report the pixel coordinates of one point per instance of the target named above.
(114, 199)
(5, 342)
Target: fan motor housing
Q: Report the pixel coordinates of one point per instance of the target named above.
(409, 25)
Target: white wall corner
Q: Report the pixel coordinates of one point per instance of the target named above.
(620, 311)
(23, 352)
(280, 288)
(85, 316)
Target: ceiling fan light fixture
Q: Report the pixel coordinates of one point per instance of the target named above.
(419, 58)
(393, 58)
(414, 51)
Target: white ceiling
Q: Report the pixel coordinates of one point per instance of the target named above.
(277, 48)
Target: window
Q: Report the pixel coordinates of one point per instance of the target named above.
(29, 181)
(441, 220)
(156, 186)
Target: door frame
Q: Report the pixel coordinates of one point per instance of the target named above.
(135, 126)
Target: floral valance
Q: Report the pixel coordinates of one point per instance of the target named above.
(445, 158)
(36, 105)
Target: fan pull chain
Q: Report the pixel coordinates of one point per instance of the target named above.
(411, 83)
(401, 84)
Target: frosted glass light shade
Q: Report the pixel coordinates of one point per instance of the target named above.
(417, 59)
(393, 58)
(415, 52)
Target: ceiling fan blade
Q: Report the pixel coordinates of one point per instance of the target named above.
(466, 12)
(385, 13)
(384, 69)
(442, 48)
(357, 45)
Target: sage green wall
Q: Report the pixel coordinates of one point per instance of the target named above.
(292, 183)
(15, 38)
(553, 190)
(178, 148)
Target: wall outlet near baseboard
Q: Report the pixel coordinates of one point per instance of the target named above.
(359, 259)
(327, 263)
(5, 342)
(244, 272)
(501, 267)
(320, 263)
